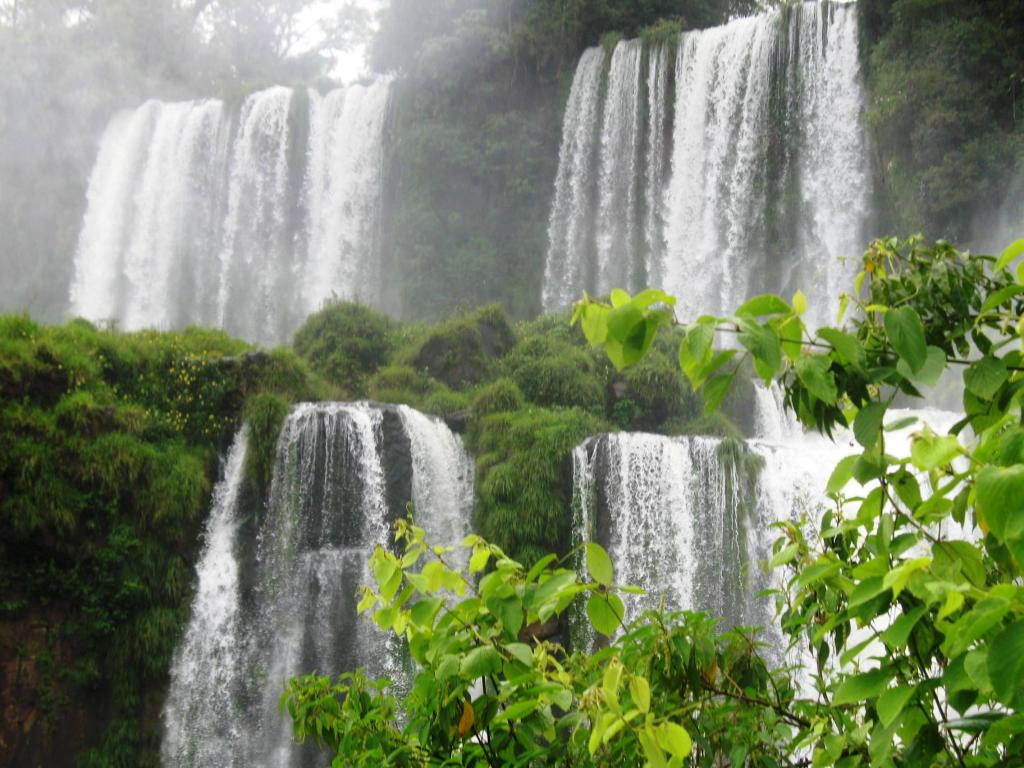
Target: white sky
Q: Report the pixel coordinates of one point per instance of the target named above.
(351, 65)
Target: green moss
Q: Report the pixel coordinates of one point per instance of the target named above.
(498, 396)
(346, 342)
(446, 403)
(263, 414)
(662, 32)
(524, 476)
(464, 349)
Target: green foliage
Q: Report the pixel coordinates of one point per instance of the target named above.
(945, 81)
(499, 396)
(522, 457)
(345, 342)
(264, 414)
(668, 690)
(465, 349)
(912, 581)
(109, 441)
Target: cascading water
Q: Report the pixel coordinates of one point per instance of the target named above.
(689, 518)
(767, 185)
(278, 583)
(248, 222)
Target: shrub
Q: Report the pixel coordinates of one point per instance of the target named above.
(345, 342)
(498, 396)
(464, 350)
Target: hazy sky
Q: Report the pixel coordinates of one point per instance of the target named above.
(351, 64)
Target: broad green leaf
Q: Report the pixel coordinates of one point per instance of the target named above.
(550, 591)
(929, 373)
(595, 323)
(866, 590)
(866, 685)
(783, 556)
(675, 739)
(1001, 296)
(538, 567)
(1001, 503)
(611, 680)
(892, 701)
(649, 743)
(424, 611)
(480, 662)
(650, 296)
(814, 374)
(929, 451)
(1013, 250)
(695, 352)
(985, 615)
(507, 610)
(640, 690)
(517, 711)
(791, 334)
(521, 652)
(898, 577)
(846, 345)
(1006, 665)
(799, 302)
(841, 475)
(605, 612)
(715, 391)
(906, 335)
(897, 635)
(868, 424)
(765, 304)
(985, 377)
(764, 347)
(619, 297)
(599, 565)
(479, 559)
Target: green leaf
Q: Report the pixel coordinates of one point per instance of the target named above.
(1001, 503)
(814, 374)
(763, 344)
(1001, 296)
(866, 685)
(509, 611)
(799, 302)
(479, 559)
(846, 345)
(695, 352)
(1013, 250)
(929, 450)
(521, 652)
(891, 703)
(985, 377)
(897, 635)
(649, 743)
(599, 565)
(929, 373)
(517, 711)
(619, 297)
(480, 662)
(538, 567)
(906, 334)
(605, 612)
(595, 323)
(675, 739)
(715, 391)
(423, 611)
(766, 304)
(985, 615)
(898, 577)
(866, 590)
(1006, 665)
(650, 296)
(841, 475)
(640, 690)
(867, 426)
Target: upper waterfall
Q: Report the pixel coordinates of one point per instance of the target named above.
(277, 587)
(247, 221)
(755, 178)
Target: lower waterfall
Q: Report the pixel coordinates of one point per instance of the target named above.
(690, 519)
(277, 583)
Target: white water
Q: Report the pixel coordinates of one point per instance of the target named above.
(681, 517)
(278, 583)
(249, 221)
(767, 186)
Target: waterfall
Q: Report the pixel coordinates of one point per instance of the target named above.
(571, 210)
(689, 519)
(248, 221)
(755, 178)
(277, 588)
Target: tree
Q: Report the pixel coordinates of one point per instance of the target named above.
(927, 624)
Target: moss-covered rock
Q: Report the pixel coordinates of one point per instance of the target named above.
(464, 350)
(345, 343)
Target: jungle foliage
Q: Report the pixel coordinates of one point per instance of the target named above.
(946, 82)
(906, 595)
(109, 453)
